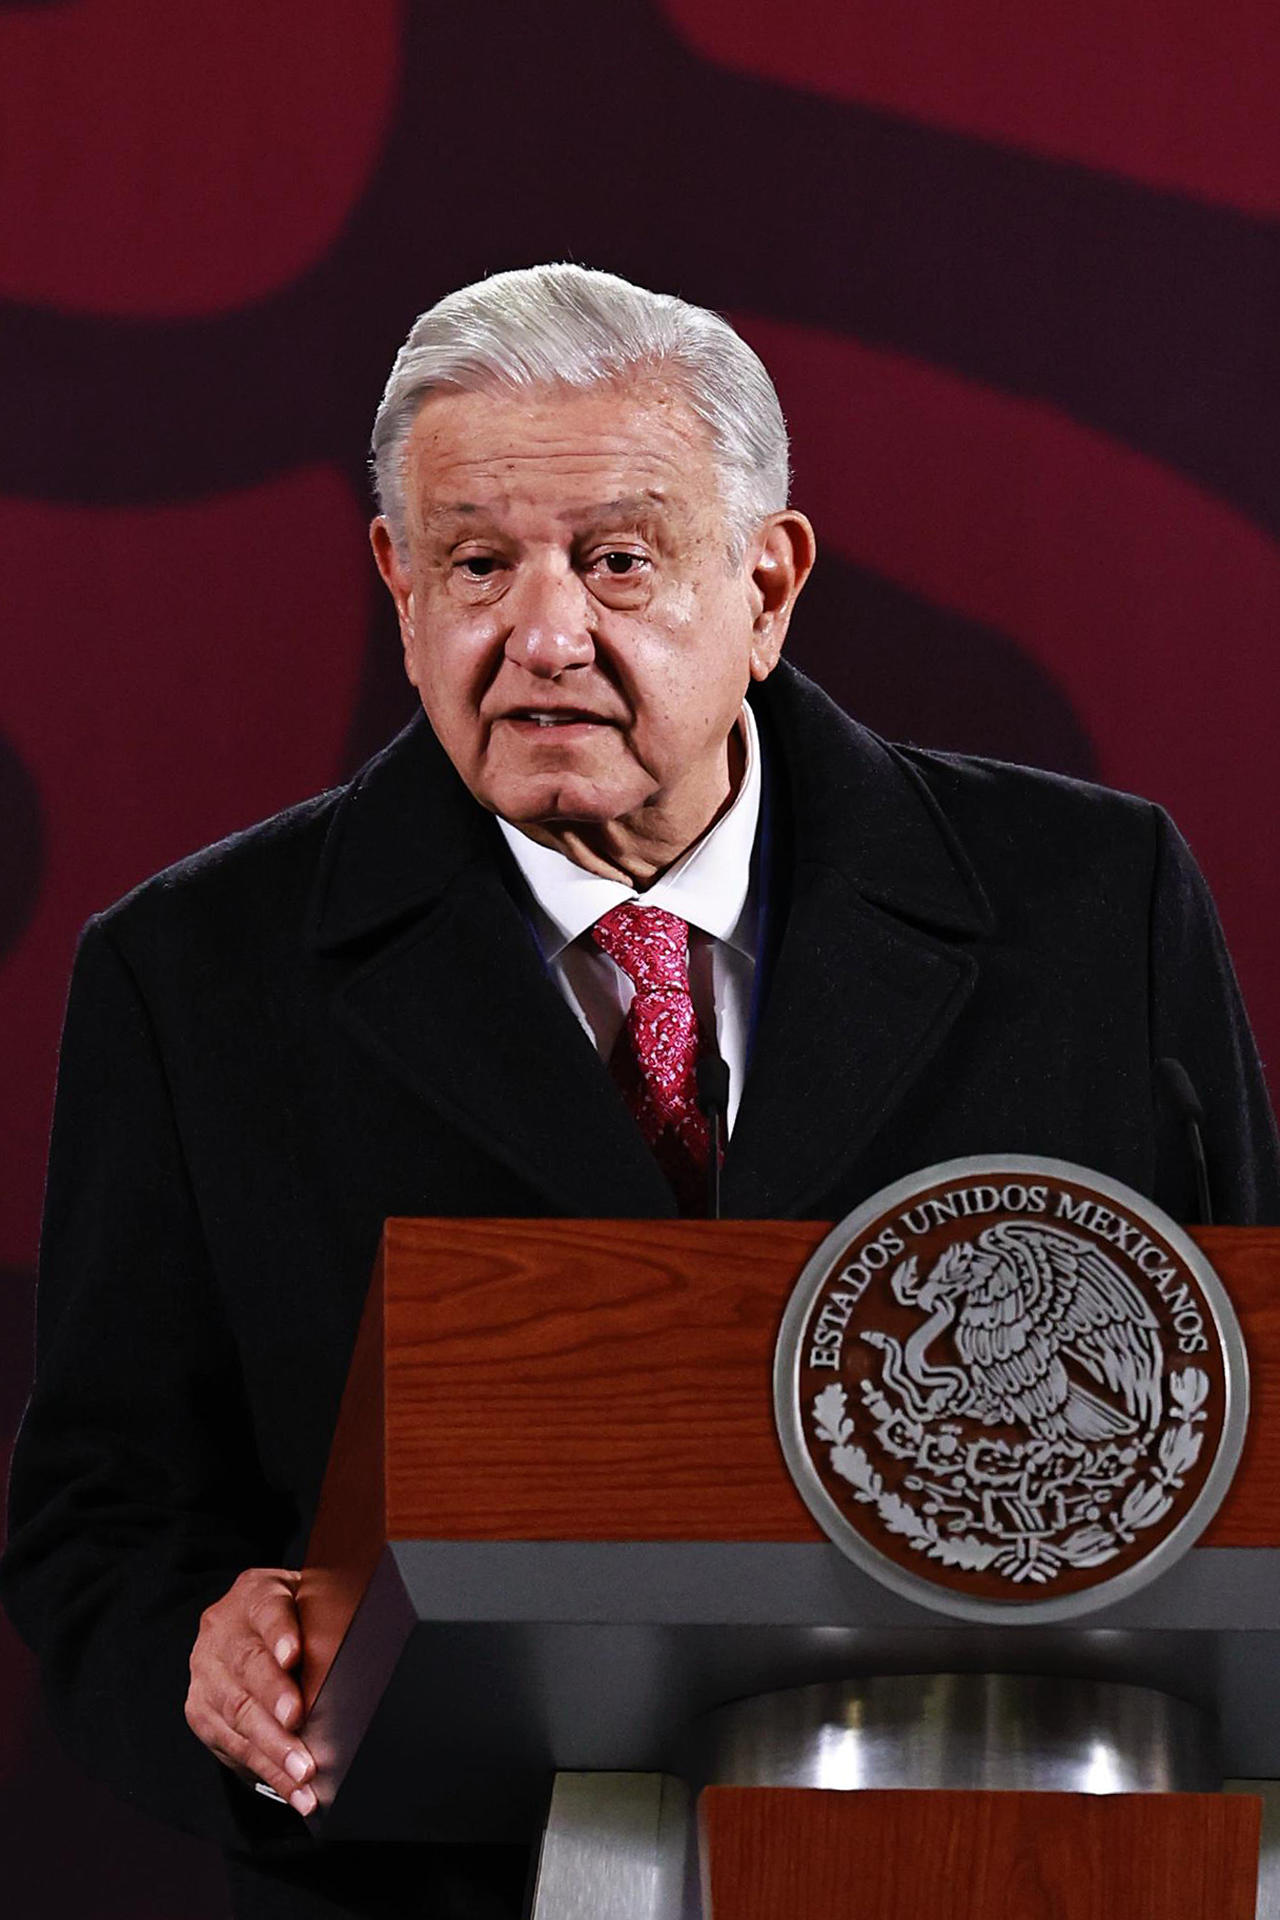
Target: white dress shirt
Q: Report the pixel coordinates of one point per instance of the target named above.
(709, 886)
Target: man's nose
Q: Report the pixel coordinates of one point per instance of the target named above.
(549, 628)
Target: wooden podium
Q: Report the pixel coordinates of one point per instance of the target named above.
(557, 1531)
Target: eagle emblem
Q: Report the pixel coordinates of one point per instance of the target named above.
(1012, 1388)
(1050, 1335)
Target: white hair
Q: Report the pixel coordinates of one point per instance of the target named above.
(570, 326)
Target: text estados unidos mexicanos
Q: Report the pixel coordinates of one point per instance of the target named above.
(847, 1287)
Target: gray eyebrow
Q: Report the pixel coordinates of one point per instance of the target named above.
(626, 504)
(449, 512)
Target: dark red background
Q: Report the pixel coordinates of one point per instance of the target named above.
(1016, 272)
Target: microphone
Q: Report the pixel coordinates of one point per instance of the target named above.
(713, 1099)
(1186, 1104)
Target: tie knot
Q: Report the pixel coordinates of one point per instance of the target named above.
(648, 943)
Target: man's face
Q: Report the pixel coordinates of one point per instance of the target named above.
(570, 618)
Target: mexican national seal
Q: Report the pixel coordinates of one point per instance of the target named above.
(1011, 1388)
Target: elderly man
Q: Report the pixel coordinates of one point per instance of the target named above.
(479, 980)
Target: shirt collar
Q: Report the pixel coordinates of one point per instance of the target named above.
(709, 885)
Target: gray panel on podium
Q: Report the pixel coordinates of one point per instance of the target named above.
(595, 1655)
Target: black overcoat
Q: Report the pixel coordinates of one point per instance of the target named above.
(342, 1015)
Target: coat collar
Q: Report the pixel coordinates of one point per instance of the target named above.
(404, 829)
(444, 980)
(860, 808)
(873, 963)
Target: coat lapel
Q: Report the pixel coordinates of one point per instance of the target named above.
(439, 976)
(874, 962)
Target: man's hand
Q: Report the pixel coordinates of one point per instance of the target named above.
(242, 1702)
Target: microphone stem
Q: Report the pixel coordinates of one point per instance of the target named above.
(713, 1099)
(1202, 1175)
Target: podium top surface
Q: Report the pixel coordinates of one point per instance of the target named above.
(611, 1380)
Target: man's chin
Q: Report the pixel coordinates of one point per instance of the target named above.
(561, 802)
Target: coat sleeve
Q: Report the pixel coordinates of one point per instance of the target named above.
(1198, 1018)
(135, 1494)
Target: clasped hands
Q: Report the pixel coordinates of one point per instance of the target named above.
(243, 1702)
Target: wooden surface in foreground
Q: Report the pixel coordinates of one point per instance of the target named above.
(779, 1854)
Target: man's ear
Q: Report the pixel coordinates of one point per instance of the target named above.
(785, 550)
(396, 575)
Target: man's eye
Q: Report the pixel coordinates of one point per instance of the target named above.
(477, 566)
(621, 564)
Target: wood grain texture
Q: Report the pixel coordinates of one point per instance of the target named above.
(1247, 1261)
(789, 1854)
(612, 1380)
(606, 1380)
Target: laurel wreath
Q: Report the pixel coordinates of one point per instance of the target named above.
(1145, 1504)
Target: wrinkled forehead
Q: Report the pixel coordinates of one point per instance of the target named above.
(630, 446)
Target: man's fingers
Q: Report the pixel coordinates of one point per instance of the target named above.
(241, 1731)
(235, 1750)
(243, 1703)
(248, 1717)
(264, 1674)
(287, 1642)
(275, 1617)
(288, 1707)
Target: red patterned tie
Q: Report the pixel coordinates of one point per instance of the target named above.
(656, 1058)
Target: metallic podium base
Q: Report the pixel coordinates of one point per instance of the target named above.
(987, 1730)
(618, 1846)
(621, 1846)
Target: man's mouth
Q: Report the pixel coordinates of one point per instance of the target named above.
(545, 718)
